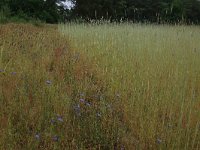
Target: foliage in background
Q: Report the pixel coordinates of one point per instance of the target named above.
(139, 10)
(50, 11)
(54, 11)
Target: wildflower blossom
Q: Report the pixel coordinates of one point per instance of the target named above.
(53, 121)
(159, 141)
(122, 147)
(77, 110)
(13, 73)
(82, 100)
(48, 82)
(37, 136)
(59, 118)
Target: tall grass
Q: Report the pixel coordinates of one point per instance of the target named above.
(51, 97)
(108, 86)
(154, 70)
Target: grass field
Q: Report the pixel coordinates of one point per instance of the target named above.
(109, 86)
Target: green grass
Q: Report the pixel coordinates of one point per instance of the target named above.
(105, 86)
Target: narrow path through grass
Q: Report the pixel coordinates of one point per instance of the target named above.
(51, 97)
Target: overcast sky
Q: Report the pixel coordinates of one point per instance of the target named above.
(68, 4)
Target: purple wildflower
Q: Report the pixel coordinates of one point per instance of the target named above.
(53, 121)
(77, 110)
(1, 70)
(48, 82)
(55, 138)
(82, 100)
(159, 141)
(37, 136)
(13, 73)
(122, 147)
(59, 118)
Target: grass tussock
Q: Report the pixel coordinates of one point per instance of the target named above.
(51, 97)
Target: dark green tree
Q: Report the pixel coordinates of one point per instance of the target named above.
(50, 11)
(53, 11)
(139, 10)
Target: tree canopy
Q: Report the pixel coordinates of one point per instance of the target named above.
(50, 11)
(53, 11)
(139, 10)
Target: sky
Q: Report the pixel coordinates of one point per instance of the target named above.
(68, 4)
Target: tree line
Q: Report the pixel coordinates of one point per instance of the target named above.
(139, 10)
(50, 11)
(53, 11)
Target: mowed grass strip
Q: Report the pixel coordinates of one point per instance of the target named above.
(154, 69)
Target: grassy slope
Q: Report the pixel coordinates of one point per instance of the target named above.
(155, 71)
(50, 91)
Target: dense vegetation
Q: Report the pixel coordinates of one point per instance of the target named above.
(154, 72)
(53, 11)
(140, 10)
(50, 96)
(106, 84)
(50, 11)
(110, 86)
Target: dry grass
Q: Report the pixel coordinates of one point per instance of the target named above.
(155, 70)
(99, 87)
(51, 97)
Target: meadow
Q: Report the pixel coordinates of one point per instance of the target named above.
(99, 86)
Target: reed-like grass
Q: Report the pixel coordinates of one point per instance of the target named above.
(108, 86)
(154, 70)
(50, 96)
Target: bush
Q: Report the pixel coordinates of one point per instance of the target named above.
(4, 14)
